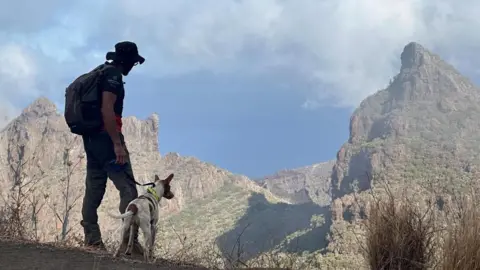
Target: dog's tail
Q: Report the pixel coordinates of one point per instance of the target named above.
(129, 213)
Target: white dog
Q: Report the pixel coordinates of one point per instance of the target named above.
(143, 212)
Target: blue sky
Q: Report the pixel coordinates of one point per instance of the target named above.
(229, 122)
(252, 86)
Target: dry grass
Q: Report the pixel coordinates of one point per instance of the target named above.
(399, 235)
(461, 249)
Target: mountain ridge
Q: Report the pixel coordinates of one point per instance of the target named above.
(301, 185)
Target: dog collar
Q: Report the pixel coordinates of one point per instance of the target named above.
(154, 193)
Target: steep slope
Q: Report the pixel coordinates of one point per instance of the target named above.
(421, 132)
(301, 185)
(240, 206)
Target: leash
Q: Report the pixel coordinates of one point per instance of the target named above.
(138, 184)
(149, 189)
(116, 167)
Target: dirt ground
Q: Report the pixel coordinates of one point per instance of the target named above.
(19, 256)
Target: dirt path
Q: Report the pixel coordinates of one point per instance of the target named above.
(20, 256)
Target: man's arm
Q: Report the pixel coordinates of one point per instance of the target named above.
(108, 114)
(111, 87)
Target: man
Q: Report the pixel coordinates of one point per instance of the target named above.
(107, 155)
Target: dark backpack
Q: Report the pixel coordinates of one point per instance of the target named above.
(83, 103)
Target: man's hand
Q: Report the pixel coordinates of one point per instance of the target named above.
(120, 153)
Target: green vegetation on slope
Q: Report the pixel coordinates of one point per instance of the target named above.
(237, 223)
(201, 222)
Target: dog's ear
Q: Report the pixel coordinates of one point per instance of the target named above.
(157, 178)
(169, 178)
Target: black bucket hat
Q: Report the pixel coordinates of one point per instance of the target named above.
(125, 51)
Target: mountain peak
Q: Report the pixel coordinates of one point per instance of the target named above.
(413, 55)
(41, 106)
(154, 119)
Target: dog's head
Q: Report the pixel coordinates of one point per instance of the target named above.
(165, 184)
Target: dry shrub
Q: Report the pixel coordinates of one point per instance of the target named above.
(399, 235)
(12, 223)
(277, 260)
(19, 215)
(461, 250)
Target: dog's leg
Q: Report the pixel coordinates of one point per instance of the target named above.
(147, 235)
(125, 227)
(128, 251)
(154, 234)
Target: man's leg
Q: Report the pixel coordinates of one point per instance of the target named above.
(128, 192)
(96, 182)
(95, 186)
(100, 148)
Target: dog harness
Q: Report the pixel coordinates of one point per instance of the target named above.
(154, 193)
(152, 203)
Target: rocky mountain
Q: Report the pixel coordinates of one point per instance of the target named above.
(38, 153)
(421, 132)
(429, 112)
(301, 185)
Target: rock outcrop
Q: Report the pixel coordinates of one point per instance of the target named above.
(302, 185)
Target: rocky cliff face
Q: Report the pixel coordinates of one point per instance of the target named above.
(302, 185)
(429, 110)
(421, 132)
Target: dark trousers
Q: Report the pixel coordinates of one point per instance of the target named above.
(99, 151)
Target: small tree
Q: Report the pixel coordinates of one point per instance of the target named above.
(14, 212)
(35, 207)
(68, 202)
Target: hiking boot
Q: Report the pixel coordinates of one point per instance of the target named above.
(100, 246)
(93, 236)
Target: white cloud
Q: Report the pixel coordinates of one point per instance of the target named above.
(17, 70)
(347, 48)
(27, 15)
(7, 113)
(18, 74)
